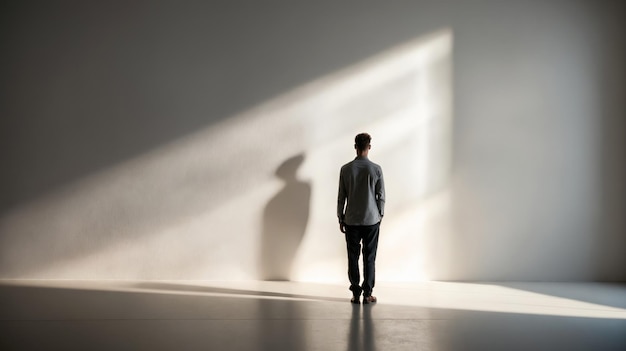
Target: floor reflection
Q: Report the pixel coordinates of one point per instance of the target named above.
(362, 333)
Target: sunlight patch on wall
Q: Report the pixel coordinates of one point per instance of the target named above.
(403, 99)
(207, 205)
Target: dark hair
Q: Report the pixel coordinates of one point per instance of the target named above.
(362, 141)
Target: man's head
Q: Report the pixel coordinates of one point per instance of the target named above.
(362, 143)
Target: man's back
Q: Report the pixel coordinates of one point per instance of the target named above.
(362, 193)
(361, 185)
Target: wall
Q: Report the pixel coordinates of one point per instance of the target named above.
(202, 141)
(540, 143)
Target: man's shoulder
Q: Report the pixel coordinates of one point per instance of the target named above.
(347, 165)
(374, 164)
(346, 168)
(361, 161)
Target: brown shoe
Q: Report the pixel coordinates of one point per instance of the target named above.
(355, 300)
(369, 299)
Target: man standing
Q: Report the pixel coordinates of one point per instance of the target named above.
(360, 208)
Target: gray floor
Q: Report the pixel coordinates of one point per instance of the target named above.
(129, 315)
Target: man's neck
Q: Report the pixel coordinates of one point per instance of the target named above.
(362, 154)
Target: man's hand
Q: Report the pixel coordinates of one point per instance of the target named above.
(342, 227)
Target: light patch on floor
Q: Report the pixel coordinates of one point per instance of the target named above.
(487, 297)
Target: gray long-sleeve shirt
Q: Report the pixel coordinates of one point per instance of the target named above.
(361, 193)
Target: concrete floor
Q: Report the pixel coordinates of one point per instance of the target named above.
(189, 315)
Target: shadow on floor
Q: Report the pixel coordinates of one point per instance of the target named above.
(208, 289)
(75, 319)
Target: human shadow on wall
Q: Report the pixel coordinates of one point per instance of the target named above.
(284, 222)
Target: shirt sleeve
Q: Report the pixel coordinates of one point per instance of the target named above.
(380, 194)
(341, 198)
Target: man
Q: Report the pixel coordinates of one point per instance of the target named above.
(360, 208)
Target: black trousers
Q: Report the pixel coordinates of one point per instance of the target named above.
(368, 235)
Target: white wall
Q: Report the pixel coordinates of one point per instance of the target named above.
(185, 141)
(539, 145)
